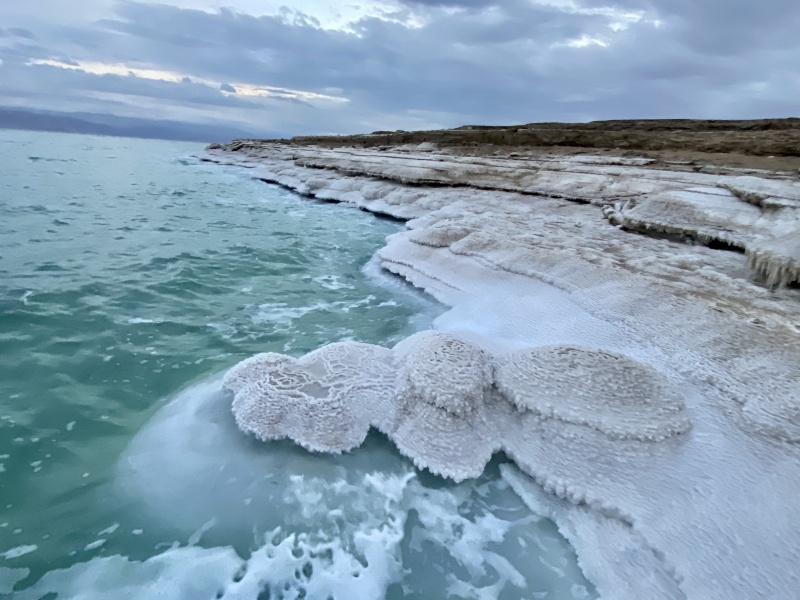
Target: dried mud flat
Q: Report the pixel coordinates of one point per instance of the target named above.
(624, 323)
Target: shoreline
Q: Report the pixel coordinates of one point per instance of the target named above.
(533, 251)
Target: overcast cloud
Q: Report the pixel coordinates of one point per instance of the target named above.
(408, 64)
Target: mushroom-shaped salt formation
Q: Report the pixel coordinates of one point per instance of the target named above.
(448, 404)
(610, 392)
(444, 370)
(441, 422)
(320, 401)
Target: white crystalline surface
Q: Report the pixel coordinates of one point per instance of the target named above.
(447, 403)
(319, 401)
(444, 371)
(777, 259)
(645, 387)
(604, 390)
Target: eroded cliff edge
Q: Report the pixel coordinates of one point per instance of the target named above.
(685, 266)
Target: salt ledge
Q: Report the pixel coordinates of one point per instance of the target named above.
(576, 259)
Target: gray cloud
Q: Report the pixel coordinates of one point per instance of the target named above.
(453, 3)
(20, 32)
(461, 61)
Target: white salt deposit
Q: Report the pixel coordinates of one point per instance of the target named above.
(600, 389)
(656, 334)
(447, 403)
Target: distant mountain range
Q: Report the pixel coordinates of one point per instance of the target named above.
(100, 124)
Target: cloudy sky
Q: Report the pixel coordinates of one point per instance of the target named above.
(307, 66)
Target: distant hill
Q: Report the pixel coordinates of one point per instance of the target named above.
(100, 124)
(752, 137)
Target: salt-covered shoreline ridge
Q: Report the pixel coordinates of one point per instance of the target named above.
(624, 324)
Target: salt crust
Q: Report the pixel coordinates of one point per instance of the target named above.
(743, 211)
(447, 403)
(605, 390)
(320, 401)
(527, 254)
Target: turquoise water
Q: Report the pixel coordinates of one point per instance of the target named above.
(131, 276)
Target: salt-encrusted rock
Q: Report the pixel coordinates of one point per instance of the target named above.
(778, 260)
(766, 193)
(704, 214)
(604, 390)
(445, 232)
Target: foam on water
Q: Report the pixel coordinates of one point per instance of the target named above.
(274, 517)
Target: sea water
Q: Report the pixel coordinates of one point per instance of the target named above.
(131, 276)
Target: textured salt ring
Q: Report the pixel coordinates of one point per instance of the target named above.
(317, 401)
(609, 392)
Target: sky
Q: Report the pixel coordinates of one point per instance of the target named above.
(305, 66)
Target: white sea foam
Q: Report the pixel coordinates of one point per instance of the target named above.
(110, 529)
(349, 526)
(19, 551)
(9, 577)
(281, 313)
(332, 282)
(94, 545)
(143, 321)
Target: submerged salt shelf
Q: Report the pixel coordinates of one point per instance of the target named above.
(560, 266)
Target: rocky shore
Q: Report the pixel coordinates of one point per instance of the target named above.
(663, 247)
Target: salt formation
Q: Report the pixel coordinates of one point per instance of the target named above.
(445, 402)
(442, 382)
(444, 371)
(778, 260)
(705, 206)
(604, 390)
(320, 401)
(661, 281)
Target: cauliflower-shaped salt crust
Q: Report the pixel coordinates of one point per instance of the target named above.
(447, 403)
